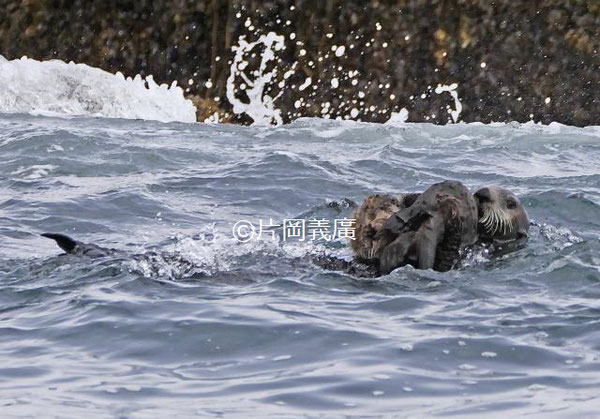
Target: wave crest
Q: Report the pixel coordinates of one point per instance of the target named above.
(57, 88)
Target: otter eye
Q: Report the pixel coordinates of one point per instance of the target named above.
(511, 204)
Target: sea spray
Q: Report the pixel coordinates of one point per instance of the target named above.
(455, 114)
(260, 106)
(57, 88)
(398, 117)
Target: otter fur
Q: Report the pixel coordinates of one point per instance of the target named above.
(370, 238)
(431, 233)
(430, 230)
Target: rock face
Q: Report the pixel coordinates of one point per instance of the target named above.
(512, 60)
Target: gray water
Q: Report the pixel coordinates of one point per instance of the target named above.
(211, 326)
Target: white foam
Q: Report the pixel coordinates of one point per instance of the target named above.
(398, 118)
(58, 88)
(260, 106)
(455, 114)
(213, 252)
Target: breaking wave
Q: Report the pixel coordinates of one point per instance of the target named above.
(58, 88)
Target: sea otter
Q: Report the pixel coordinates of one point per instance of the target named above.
(370, 218)
(426, 230)
(501, 216)
(154, 262)
(432, 228)
(431, 232)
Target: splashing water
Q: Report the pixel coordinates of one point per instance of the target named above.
(260, 106)
(455, 114)
(398, 117)
(58, 88)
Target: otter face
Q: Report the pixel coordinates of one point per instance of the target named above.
(370, 218)
(501, 215)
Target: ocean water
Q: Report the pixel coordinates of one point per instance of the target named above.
(206, 325)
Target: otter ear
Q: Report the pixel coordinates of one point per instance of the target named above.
(483, 195)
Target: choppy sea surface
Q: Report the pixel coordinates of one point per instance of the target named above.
(206, 325)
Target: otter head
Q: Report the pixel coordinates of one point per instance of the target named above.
(501, 215)
(370, 219)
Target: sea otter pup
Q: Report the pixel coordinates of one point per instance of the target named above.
(370, 217)
(430, 233)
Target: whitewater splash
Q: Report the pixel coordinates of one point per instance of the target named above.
(451, 89)
(260, 106)
(248, 86)
(257, 79)
(58, 88)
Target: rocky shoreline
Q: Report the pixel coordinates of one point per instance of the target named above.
(511, 61)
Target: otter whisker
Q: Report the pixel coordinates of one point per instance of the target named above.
(494, 222)
(490, 223)
(511, 225)
(506, 224)
(487, 220)
(374, 250)
(497, 221)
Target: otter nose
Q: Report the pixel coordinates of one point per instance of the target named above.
(484, 195)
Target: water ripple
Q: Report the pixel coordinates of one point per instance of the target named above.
(184, 318)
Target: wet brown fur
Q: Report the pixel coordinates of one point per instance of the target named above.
(432, 231)
(370, 218)
(433, 227)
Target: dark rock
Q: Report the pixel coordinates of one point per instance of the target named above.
(531, 50)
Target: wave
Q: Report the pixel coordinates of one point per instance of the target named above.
(58, 88)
